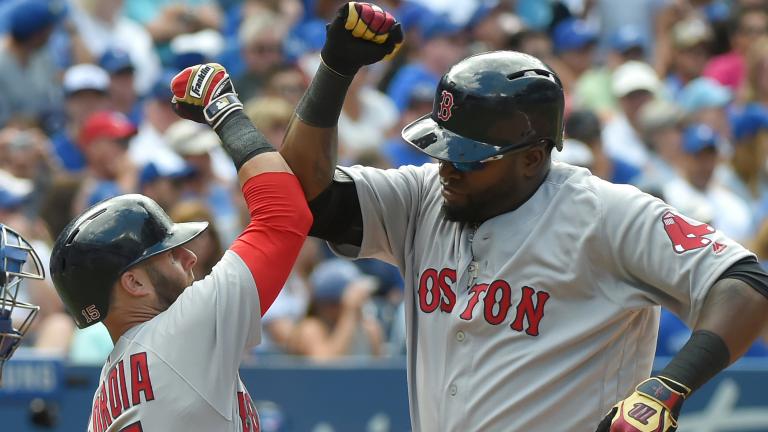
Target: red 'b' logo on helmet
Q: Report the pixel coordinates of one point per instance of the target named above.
(446, 103)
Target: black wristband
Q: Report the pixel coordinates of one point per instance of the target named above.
(321, 104)
(240, 138)
(703, 356)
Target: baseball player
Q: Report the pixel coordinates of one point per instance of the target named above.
(532, 287)
(15, 254)
(178, 344)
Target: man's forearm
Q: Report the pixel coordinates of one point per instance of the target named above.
(733, 316)
(736, 312)
(310, 144)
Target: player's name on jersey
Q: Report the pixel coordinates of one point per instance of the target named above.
(127, 384)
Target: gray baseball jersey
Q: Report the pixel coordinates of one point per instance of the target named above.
(179, 370)
(538, 319)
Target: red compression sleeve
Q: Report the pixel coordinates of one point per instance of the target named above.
(280, 221)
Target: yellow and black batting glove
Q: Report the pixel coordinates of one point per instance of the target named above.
(653, 407)
(361, 34)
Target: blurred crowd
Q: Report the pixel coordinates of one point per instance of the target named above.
(668, 95)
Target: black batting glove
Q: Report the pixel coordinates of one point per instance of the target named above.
(361, 34)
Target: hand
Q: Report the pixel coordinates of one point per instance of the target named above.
(654, 406)
(205, 94)
(361, 34)
(357, 293)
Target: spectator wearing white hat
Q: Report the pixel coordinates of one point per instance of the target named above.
(200, 148)
(85, 92)
(705, 100)
(634, 84)
(690, 53)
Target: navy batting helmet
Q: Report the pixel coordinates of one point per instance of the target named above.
(106, 240)
(489, 104)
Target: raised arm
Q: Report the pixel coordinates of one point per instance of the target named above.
(280, 218)
(361, 34)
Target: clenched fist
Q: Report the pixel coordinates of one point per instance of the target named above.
(653, 407)
(361, 34)
(204, 93)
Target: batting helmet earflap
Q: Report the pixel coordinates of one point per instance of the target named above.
(94, 249)
(489, 104)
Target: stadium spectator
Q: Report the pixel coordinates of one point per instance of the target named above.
(286, 81)
(634, 84)
(270, 115)
(28, 81)
(584, 126)
(164, 183)
(660, 124)
(442, 44)
(261, 38)
(593, 89)
(397, 151)
(366, 117)
(109, 171)
(745, 173)
(747, 26)
(574, 41)
(337, 324)
(704, 100)
(166, 19)
(695, 194)
(85, 90)
(149, 145)
(200, 147)
(755, 88)
(690, 52)
(123, 96)
(103, 26)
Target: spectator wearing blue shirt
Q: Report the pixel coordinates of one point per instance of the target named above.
(441, 44)
(396, 150)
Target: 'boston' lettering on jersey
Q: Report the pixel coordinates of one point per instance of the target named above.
(435, 289)
(122, 389)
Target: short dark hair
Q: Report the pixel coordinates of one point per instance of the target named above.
(583, 125)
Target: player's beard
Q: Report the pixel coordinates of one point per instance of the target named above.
(167, 289)
(481, 206)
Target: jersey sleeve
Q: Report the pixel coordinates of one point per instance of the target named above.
(661, 256)
(390, 203)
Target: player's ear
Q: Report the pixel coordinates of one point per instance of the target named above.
(135, 282)
(533, 160)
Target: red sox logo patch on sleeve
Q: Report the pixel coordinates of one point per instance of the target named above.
(446, 103)
(687, 237)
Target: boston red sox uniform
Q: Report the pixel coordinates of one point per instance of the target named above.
(541, 318)
(179, 370)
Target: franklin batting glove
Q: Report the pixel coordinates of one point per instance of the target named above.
(361, 34)
(653, 407)
(205, 94)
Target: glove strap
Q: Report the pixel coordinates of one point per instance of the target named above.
(659, 390)
(221, 107)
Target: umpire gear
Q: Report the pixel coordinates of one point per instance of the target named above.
(106, 240)
(490, 104)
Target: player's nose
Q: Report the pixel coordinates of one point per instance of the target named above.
(187, 258)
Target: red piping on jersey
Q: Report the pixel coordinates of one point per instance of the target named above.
(280, 221)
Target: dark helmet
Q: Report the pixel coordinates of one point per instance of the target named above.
(97, 247)
(489, 104)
